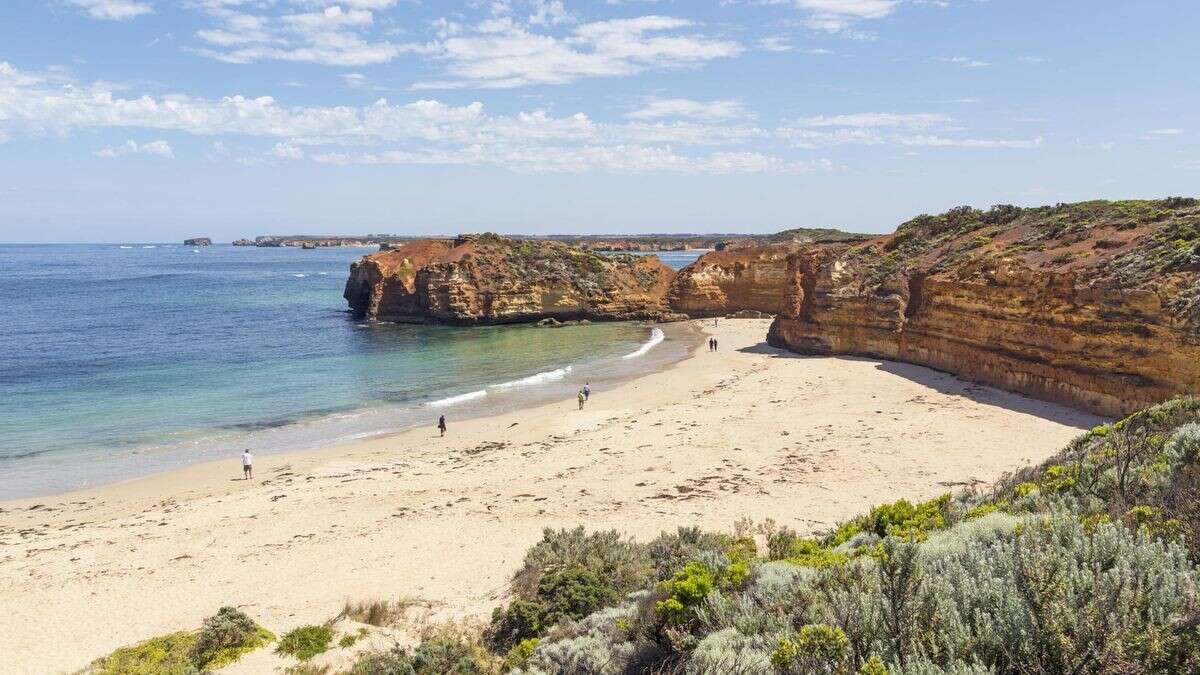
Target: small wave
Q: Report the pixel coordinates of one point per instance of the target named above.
(323, 274)
(455, 400)
(299, 276)
(656, 336)
(126, 247)
(149, 247)
(534, 380)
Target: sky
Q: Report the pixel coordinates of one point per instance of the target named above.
(155, 120)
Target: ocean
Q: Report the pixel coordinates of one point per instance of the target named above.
(119, 361)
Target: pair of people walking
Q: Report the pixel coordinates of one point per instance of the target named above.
(584, 394)
(712, 344)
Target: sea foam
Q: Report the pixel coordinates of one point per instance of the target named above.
(535, 380)
(656, 336)
(455, 400)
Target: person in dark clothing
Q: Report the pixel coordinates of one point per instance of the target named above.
(442, 425)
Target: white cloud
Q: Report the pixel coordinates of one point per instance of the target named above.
(942, 142)
(354, 79)
(156, 148)
(1164, 132)
(964, 61)
(875, 120)
(775, 44)
(287, 151)
(549, 13)
(833, 16)
(502, 53)
(422, 131)
(886, 129)
(330, 35)
(683, 107)
(618, 159)
(114, 10)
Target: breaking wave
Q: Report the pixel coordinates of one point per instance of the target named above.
(656, 336)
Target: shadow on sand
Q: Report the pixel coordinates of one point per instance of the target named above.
(949, 384)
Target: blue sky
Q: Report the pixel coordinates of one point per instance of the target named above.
(152, 120)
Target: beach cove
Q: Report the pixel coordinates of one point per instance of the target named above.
(747, 431)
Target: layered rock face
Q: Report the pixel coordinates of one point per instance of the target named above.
(733, 280)
(1095, 305)
(491, 279)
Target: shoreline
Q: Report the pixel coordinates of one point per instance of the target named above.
(515, 395)
(750, 431)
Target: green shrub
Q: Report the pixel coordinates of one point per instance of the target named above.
(573, 593)
(519, 655)
(453, 649)
(225, 637)
(816, 648)
(810, 553)
(520, 621)
(623, 563)
(165, 655)
(670, 551)
(395, 661)
(305, 642)
(873, 666)
(351, 639)
(684, 592)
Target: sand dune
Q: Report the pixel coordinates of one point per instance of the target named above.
(745, 432)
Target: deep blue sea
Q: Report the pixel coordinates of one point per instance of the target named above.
(117, 361)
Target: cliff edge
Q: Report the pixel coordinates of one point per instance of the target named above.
(1095, 305)
(487, 278)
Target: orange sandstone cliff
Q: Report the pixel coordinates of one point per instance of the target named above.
(493, 279)
(1095, 305)
(746, 274)
(724, 282)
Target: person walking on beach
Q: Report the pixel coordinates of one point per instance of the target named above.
(587, 391)
(247, 464)
(581, 399)
(442, 425)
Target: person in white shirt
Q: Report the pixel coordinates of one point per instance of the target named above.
(247, 464)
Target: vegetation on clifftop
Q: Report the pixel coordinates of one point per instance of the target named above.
(1119, 244)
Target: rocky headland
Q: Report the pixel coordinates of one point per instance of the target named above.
(487, 278)
(733, 280)
(1095, 304)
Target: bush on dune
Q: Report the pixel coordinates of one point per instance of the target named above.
(223, 639)
(305, 642)
(448, 649)
(1085, 564)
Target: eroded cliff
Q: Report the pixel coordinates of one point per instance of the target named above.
(492, 279)
(1096, 305)
(733, 280)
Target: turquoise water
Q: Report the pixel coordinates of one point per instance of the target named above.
(119, 361)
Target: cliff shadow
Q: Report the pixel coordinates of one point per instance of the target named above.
(951, 384)
(764, 348)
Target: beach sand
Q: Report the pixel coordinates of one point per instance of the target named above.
(747, 431)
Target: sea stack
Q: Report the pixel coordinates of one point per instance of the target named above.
(198, 241)
(488, 279)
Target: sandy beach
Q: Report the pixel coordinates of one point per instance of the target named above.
(747, 431)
